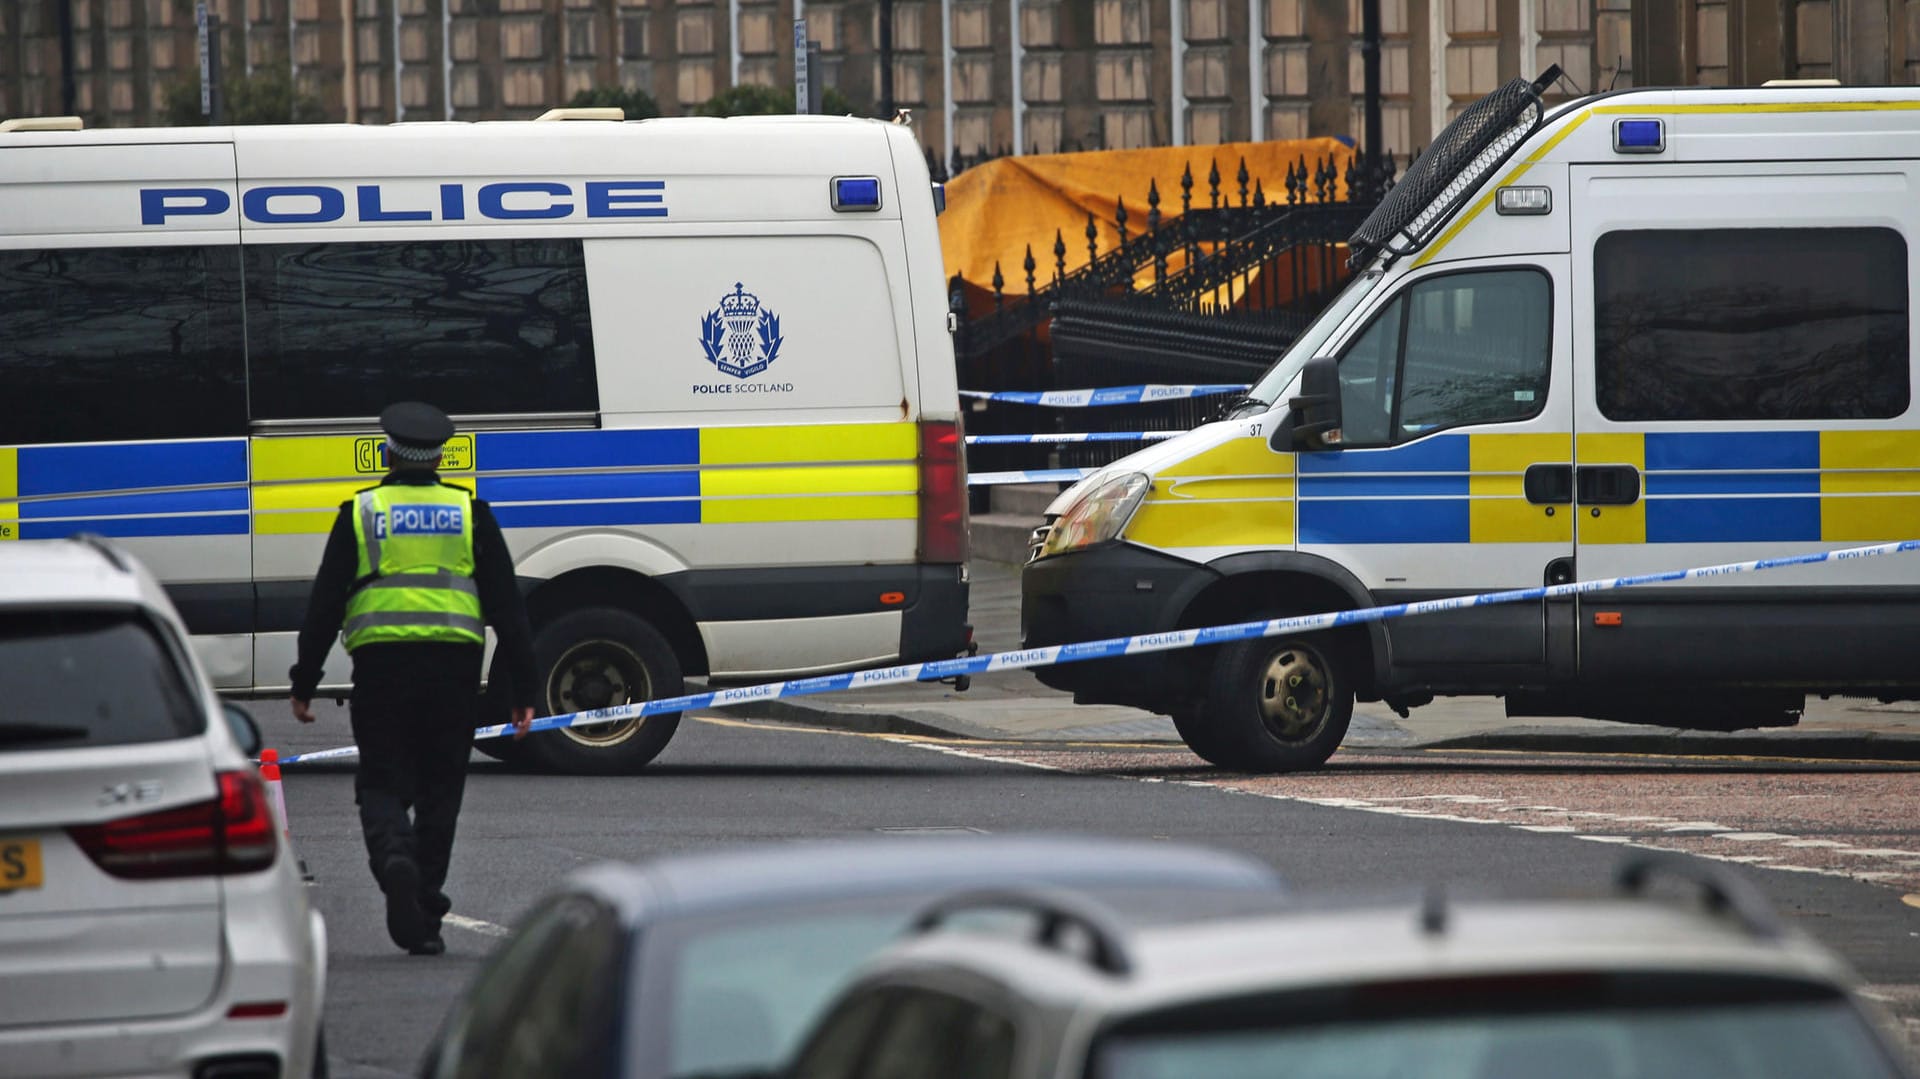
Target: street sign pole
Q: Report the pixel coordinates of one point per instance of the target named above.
(802, 77)
(200, 43)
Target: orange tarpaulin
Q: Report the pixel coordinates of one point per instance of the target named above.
(996, 210)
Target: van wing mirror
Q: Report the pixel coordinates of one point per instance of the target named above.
(1313, 422)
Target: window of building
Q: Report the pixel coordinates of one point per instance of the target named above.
(523, 86)
(1206, 73)
(1286, 18)
(582, 38)
(114, 344)
(160, 12)
(119, 14)
(579, 79)
(1473, 16)
(1710, 42)
(759, 71)
(520, 39)
(1039, 24)
(120, 93)
(972, 25)
(1208, 124)
(973, 78)
(1205, 20)
(411, 7)
(757, 35)
(523, 5)
(1121, 76)
(1045, 131)
(1395, 69)
(1473, 69)
(1039, 80)
(83, 60)
(1120, 22)
(906, 26)
(465, 39)
(823, 25)
(414, 47)
(633, 37)
(466, 87)
(1613, 44)
(1287, 71)
(693, 32)
(693, 81)
(372, 88)
(120, 53)
(306, 45)
(1126, 129)
(416, 88)
(909, 80)
(475, 326)
(972, 131)
(1393, 16)
(1562, 15)
(1287, 120)
(1452, 350)
(370, 40)
(160, 52)
(1751, 324)
(1574, 57)
(1396, 126)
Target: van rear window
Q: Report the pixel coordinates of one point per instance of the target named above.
(1751, 324)
(89, 678)
(474, 326)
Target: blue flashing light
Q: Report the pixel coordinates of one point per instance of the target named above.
(939, 199)
(1639, 136)
(855, 194)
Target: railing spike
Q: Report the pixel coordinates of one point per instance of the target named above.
(1213, 185)
(1186, 188)
(1093, 240)
(999, 284)
(1242, 178)
(1029, 265)
(1120, 221)
(1259, 196)
(1059, 255)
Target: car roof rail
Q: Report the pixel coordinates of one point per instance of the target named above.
(1722, 891)
(107, 550)
(1056, 910)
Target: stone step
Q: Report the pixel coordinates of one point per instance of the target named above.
(1002, 537)
(1024, 499)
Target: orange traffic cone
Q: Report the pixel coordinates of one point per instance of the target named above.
(270, 774)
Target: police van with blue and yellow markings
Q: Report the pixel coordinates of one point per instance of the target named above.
(701, 370)
(1633, 333)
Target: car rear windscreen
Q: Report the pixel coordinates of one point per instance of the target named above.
(1617, 1035)
(89, 678)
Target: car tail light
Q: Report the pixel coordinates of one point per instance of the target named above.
(233, 833)
(943, 493)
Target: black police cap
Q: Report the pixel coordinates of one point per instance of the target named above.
(417, 425)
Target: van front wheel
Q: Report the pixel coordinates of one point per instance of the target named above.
(1278, 705)
(602, 657)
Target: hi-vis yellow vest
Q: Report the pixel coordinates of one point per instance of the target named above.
(416, 567)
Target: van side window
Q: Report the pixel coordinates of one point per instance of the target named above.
(111, 344)
(474, 326)
(1452, 350)
(1751, 324)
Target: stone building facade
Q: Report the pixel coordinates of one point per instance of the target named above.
(978, 75)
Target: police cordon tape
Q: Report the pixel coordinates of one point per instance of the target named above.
(1081, 436)
(1030, 475)
(1126, 646)
(1110, 395)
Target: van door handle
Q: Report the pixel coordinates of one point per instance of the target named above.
(1548, 485)
(1607, 485)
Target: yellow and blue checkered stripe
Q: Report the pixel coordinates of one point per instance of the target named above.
(547, 479)
(619, 478)
(131, 489)
(1444, 489)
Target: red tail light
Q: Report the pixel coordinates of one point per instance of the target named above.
(943, 493)
(233, 833)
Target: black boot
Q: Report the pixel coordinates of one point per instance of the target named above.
(406, 922)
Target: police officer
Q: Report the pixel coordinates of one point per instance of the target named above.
(415, 568)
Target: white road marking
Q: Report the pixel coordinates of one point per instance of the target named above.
(475, 925)
(1679, 829)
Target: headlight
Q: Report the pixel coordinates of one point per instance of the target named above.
(1098, 516)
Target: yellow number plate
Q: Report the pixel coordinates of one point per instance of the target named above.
(19, 864)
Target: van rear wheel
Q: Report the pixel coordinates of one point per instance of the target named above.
(602, 657)
(1278, 705)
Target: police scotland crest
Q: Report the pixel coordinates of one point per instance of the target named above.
(740, 337)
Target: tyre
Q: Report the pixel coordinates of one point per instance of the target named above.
(1199, 735)
(1277, 705)
(602, 657)
(320, 1069)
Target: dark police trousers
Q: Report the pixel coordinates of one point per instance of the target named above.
(414, 737)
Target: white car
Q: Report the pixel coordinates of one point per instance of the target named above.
(152, 918)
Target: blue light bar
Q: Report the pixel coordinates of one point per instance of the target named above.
(856, 194)
(1639, 136)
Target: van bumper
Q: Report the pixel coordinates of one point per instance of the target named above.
(935, 626)
(1111, 590)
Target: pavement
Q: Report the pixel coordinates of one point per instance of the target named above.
(1014, 706)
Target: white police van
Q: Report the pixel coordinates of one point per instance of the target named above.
(700, 367)
(1633, 333)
